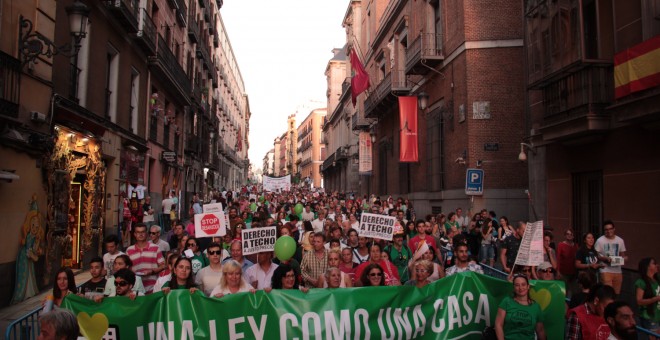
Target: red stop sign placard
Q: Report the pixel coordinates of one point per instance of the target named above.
(210, 224)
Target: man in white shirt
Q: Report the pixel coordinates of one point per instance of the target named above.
(308, 214)
(463, 221)
(112, 247)
(260, 274)
(318, 224)
(610, 245)
(154, 235)
(167, 207)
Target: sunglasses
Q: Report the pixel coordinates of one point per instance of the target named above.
(549, 270)
(375, 274)
(191, 245)
(215, 252)
(121, 283)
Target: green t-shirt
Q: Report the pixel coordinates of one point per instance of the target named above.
(643, 312)
(520, 321)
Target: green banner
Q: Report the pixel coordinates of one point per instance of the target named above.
(457, 307)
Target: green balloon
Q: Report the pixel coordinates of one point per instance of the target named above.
(298, 209)
(285, 247)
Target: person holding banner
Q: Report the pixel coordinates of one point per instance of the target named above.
(390, 271)
(372, 276)
(519, 317)
(232, 281)
(422, 269)
(421, 236)
(284, 277)
(334, 260)
(182, 277)
(209, 277)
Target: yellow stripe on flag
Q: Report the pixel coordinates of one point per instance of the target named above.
(637, 68)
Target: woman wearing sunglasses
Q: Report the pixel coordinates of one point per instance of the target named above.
(199, 260)
(373, 275)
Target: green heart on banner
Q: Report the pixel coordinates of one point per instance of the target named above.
(542, 297)
(94, 327)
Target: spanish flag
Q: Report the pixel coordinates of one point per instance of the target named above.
(637, 68)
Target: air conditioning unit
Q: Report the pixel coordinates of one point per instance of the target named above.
(37, 117)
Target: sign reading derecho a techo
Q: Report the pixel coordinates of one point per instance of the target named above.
(257, 240)
(377, 226)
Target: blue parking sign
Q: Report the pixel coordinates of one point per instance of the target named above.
(474, 182)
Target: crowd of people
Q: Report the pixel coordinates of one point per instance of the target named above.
(330, 253)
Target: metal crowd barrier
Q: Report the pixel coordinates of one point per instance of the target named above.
(490, 271)
(24, 328)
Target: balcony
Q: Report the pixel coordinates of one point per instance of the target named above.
(167, 69)
(193, 29)
(10, 90)
(574, 104)
(385, 95)
(424, 54)
(359, 123)
(146, 34)
(202, 53)
(181, 11)
(219, 3)
(206, 9)
(126, 12)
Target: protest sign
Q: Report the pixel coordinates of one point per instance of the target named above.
(210, 224)
(258, 240)
(377, 226)
(277, 183)
(456, 307)
(530, 252)
(212, 208)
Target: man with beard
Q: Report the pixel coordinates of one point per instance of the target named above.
(619, 316)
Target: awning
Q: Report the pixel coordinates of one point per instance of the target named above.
(8, 175)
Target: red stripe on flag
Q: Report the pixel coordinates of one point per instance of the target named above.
(637, 50)
(637, 85)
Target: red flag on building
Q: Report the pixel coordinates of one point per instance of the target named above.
(360, 80)
(637, 68)
(408, 151)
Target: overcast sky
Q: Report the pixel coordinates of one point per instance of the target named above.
(282, 49)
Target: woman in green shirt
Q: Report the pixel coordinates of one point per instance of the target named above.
(519, 317)
(647, 292)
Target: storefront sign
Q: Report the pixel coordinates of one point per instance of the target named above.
(169, 156)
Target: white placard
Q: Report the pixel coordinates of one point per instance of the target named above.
(377, 226)
(277, 183)
(212, 208)
(530, 252)
(210, 224)
(258, 240)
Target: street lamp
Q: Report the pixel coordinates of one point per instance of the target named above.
(423, 100)
(33, 44)
(523, 156)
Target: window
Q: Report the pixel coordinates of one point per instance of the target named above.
(112, 74)
(434, 147)
(135, 94)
